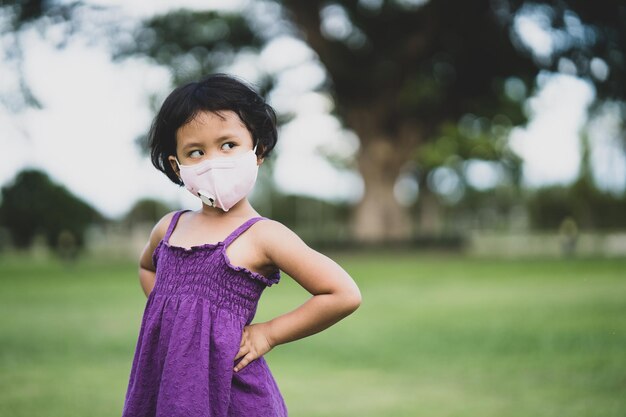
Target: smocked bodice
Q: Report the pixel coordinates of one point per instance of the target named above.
(205, 271)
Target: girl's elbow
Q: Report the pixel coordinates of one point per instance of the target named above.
(352, 301)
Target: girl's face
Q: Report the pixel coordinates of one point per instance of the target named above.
(210, 136)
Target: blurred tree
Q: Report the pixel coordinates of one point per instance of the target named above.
(399, 70)
(581, 202)
(191, 43)
(397, 75)
(453, 147)
(15, 18)
(318, 222)
(34, 205)
(582, 38)
(146, 210)
(402, 69)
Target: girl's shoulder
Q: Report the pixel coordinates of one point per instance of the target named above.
(165, 221)
(269, 226)
(272, 234)
(160, 228)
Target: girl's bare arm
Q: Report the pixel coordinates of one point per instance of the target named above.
(147, 269)
(335, 294)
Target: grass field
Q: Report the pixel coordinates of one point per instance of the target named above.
(435, 336)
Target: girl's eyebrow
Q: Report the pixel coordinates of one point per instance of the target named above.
(192, 144)
(225, 136)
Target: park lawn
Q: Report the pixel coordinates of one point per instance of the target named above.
(436, 335)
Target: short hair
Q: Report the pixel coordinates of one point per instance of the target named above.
(214, 93)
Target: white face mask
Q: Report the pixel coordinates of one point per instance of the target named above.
(221, 182)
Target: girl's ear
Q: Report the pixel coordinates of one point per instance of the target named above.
(174, 165)
(260, 149)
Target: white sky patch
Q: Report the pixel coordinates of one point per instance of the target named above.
(16, 144)
(301, 79)
(284, 52)
(483, 175)
(550, 144)
(138, 8)
(608, 158)
(533, 29)
(84, 136)
(299, 170)
(246, 66)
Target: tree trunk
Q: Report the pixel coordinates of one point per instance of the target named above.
(385, 148)
(387, 137)
(429, 212)
(379, 217)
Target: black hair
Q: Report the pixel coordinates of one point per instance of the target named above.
(214, 93)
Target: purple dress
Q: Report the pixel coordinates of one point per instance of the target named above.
(191, 332)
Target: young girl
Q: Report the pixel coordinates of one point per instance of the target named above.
(198, 353)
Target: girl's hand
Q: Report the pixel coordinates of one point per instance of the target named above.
(255, 342)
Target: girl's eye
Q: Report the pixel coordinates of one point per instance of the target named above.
(192, 152)
(229, 143)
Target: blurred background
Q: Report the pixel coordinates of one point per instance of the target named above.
(465, 161)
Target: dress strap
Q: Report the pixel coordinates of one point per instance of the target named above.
(238, 231)
(172, 225)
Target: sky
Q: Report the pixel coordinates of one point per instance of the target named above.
(94, 109)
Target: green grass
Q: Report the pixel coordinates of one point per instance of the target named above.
(435, 336)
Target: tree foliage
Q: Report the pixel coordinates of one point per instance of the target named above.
(190, 43)
(403, 74)
(146, 210)
(34, 205)
(582, 202)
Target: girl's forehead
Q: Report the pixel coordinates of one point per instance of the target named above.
(212, 120)
(212, 125)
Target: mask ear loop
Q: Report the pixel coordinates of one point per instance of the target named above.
(178, 163)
